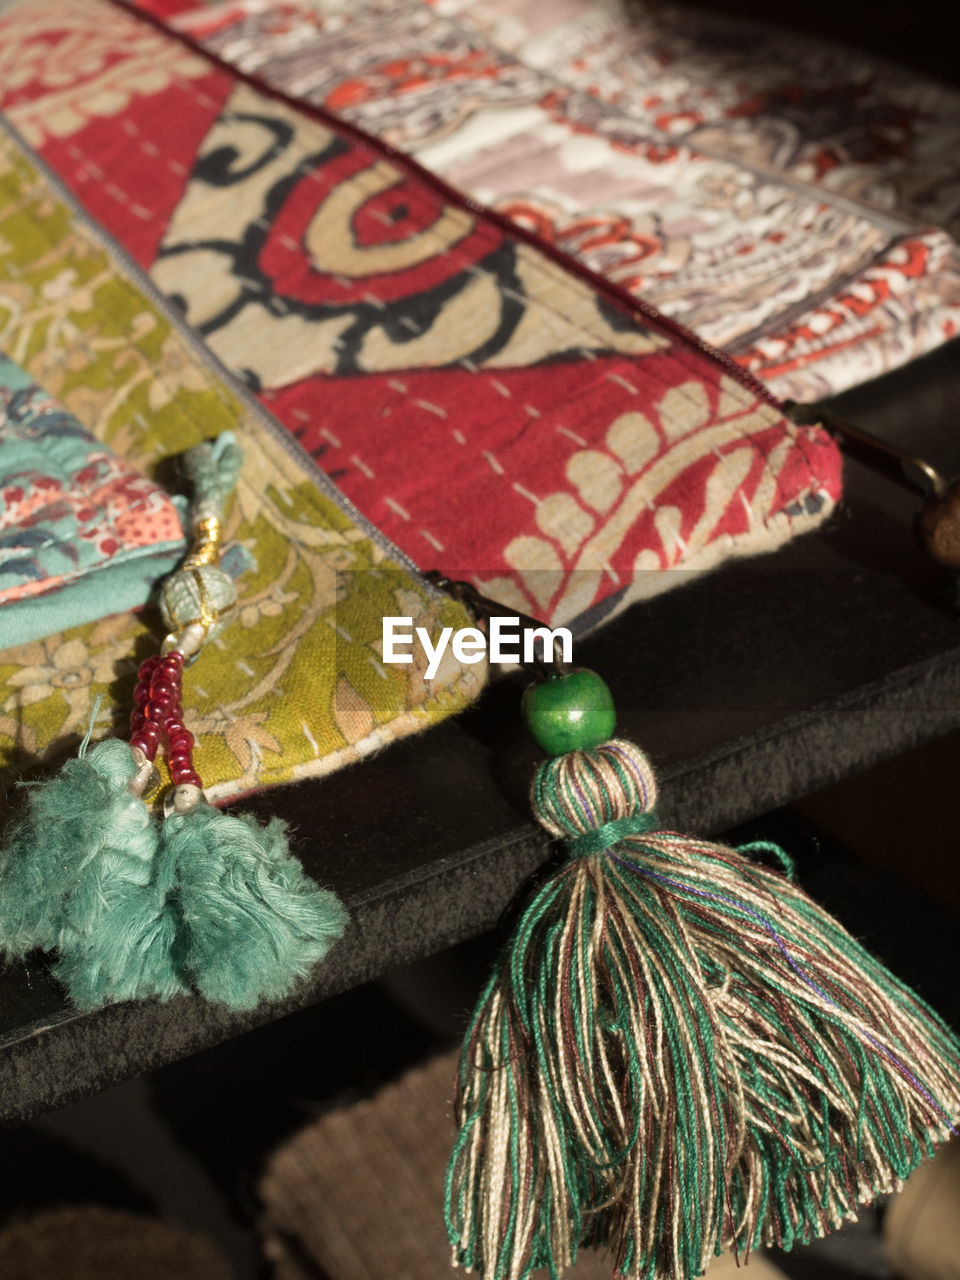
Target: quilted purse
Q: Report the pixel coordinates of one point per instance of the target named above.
(132, 905)
(81, 532)
(316, 579)
(792, 201)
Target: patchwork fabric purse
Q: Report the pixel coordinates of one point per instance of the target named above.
(792, 201)
(316, 578)
(132, 906)
(81, 532)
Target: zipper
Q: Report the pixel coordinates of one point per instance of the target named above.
(883, 456)
(938, 520)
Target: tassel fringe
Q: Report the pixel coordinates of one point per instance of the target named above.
(137, 908)
(679, 1053)
(253, 923)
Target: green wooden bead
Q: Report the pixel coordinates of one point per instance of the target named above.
(574, 712)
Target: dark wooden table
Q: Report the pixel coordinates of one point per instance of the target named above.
(750, 687)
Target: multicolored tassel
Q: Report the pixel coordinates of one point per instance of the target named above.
(136, 907)
(679, 1052)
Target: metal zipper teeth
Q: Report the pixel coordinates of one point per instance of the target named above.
(406, 162)
(210, 360)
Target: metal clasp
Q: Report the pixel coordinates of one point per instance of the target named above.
(871, 449)
(938, 522)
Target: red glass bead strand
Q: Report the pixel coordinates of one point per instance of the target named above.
(180, 741)
(164, 691)
(145, 733)
(180, 753)
(158, 712)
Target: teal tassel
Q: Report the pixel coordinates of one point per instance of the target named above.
(253, 924)
(135, 908)
(77, 877)
(206, 900)
(66, 820)
(117, 930)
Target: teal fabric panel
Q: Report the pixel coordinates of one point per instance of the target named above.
(82, 533)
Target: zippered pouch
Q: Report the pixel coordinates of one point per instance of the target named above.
(497, 411)
(295, 687)
(792, 201)
(81, 532)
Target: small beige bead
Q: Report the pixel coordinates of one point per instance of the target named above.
(184, 798)
(147, 778)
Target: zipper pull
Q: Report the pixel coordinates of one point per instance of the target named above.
(938, 522)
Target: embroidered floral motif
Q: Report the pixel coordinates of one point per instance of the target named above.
(61, 670)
